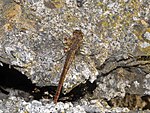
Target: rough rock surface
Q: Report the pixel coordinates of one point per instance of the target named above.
(21, 106)
(115, 52)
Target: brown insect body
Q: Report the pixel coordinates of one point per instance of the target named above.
(75, 44)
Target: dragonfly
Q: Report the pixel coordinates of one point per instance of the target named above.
(76, 41)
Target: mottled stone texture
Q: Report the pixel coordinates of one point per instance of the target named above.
(115, 51)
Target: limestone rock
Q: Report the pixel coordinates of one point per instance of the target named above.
(115, 49)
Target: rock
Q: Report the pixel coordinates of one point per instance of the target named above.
(35, 48)
(114, 54)
(15, 104)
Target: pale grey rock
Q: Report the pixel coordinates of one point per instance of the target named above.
(38, 49)
(17, 105)
(115, 49)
